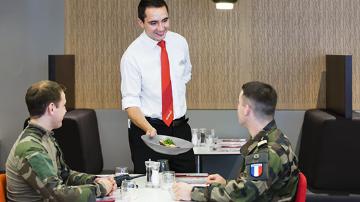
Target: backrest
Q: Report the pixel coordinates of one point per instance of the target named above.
(79, 140)
(328, 143)
(301, 188)
(2, 187)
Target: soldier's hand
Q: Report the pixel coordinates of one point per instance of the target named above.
(151, 132)
(106, 183)
(182, 191)
(215, 178)
(114, 185)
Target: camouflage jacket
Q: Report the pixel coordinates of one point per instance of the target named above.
(36, 171)
(269, 172)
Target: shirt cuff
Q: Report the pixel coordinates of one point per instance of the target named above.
(100, 190)
(130, 102)
(199, 193)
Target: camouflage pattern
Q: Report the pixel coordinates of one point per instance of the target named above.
(36, 171)
(279, 178)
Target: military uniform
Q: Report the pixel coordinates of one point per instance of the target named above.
(36, 171)
(269, 172)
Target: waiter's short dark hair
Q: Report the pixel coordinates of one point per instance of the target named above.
(149, 4)
(262, 95)
(39, 95)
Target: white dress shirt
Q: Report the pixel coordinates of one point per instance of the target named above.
(140, 69)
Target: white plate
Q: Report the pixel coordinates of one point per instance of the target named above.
(182, 145)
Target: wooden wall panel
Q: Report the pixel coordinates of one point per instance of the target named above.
(282, 42)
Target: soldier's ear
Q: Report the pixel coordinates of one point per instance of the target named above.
(51, 108)
(247, 109)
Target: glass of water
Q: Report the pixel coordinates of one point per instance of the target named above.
(128, 190)
(121, 170)
(167, 180)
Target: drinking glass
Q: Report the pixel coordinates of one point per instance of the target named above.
(195, 137)
(128, 185)
(167, 180)
(202, 136)
(121, 171)
(164, 165)
(128, 189)
(210, 138)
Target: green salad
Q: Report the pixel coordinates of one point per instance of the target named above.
(167, 142)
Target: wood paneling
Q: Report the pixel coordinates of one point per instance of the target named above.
(282, 42)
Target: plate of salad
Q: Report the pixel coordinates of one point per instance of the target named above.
(167, 145)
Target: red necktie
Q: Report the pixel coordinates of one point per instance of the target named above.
(167, 99)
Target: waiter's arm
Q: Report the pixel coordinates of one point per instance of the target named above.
(138, 118)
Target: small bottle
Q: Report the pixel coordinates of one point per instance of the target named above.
(155, 177)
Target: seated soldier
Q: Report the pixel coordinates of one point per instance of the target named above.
(35, 169)
(269, 171)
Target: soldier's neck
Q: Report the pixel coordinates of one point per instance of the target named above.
(41, 122)
(257, 125)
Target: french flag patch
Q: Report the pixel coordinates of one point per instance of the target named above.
(256, 169)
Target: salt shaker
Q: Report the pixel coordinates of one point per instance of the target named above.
(155, 177)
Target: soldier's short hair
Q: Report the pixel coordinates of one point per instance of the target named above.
(40, 94)
(149, 4)
(262, 95)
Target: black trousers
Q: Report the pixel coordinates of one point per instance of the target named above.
(182, 163)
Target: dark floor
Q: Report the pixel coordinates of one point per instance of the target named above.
(317, 197)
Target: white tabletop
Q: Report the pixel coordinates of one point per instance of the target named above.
(205, 150)
(224, 146)
(142, 194)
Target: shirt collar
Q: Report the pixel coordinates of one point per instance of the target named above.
(151, 42)
(42, 131)
(250, 144)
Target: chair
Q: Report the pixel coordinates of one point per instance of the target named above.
(301, 188)
(328, 143)
(2, 187)
(79, 140)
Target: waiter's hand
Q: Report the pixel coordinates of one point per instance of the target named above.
(151, 132)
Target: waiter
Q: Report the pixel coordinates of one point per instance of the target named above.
(155, 69)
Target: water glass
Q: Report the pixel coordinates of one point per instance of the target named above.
(210, 138)
(195, 136)
(121, 171)
(128, 189)
(128, 185)
(167, 180)
(202, 136)
(164, 165)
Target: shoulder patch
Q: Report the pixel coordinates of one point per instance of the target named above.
(262, 142)
(256, 169)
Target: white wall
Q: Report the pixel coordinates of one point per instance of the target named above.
(29, 32)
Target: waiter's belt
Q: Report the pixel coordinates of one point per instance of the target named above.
(175, 123)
